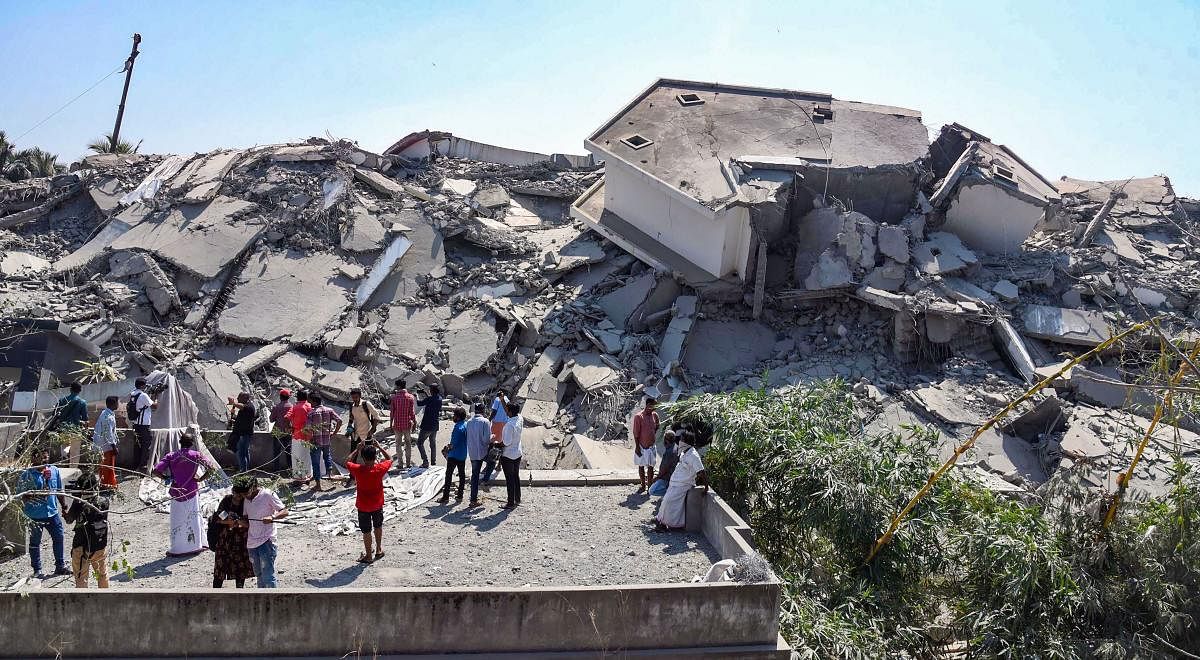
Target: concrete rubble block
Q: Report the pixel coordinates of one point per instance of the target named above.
(380, 183)
(720, 347)
(491, 197)
(883, 299)
(1012, 458)
(888, 277)
(362, 232)
(461, 187)
(1048, 416)
(589, 371)
(260, 357)
(1104, 386)
(106, 194)
(332, 378)
(893, 242)
(1148, 297)
(674, 341)
(943, 254)
(1006, 291)
(453, 386)
(831, 271)
(209, 384)
(622, 304)
(417, 254)
(352, 271)
(22, 263)
(344, 341)
(1067, 326)
(522, 212)
(944, 401)
(1121, 244)
(471, 340)
(964, 291)
(263, 306)
(541, 384)
(201, 178)
(200, 238)
(414, 329)
(305, 153)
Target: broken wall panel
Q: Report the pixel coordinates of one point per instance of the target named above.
(285, 295)
(200, 238)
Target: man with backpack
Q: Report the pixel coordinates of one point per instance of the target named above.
(362, 424)
(138, 410)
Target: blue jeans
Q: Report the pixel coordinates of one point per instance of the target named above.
(475, 468)
(263, 560)
(55, 525)
(659, 487)
(243, 452)
(488, 468)
(315, 454)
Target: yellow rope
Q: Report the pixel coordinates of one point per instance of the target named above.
(1165, 403)
(912, 503)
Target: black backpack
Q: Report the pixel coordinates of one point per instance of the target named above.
(131, 410)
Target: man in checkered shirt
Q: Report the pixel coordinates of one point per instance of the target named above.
(323, 422)
(404, 418)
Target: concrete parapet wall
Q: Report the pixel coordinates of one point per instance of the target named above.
(332, 623)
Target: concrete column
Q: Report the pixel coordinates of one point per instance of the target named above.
(694, 510)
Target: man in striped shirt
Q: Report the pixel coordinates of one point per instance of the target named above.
(404, 418)
(323, 422)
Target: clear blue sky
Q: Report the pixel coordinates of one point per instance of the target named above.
(1098, 90)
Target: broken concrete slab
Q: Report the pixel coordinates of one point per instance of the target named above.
(201, 178)
(719, 347)
(1104, 386)
(362, 232)
(209, 384)
(943, 253)
(462, 187)
(106, 194)
(114, 229)
(344, 341)
(1048, 416)
(541, 384)
(1067, 326)
(1148, 297)
(588, 370)
(946, 404)
(491, 197)
(332, 378)
(380, 183)
(646, 294)
(670, 351)
(471, 341)
(520, 215)
(1006, 291)
(831, 271)
(893, 242)
(414, 329)
(402, 266)
(263, 306)
(200, 238)
(16, 263)
(260, 357)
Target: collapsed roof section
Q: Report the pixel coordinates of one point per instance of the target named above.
(691, 165)
(427, 144)
(990, 197)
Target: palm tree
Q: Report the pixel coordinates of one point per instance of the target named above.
(26, 163)
(105, 145)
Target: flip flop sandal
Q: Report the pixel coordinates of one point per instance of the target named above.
(363, 559)
(379, 555)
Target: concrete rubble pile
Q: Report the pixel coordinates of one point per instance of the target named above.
(321, 265)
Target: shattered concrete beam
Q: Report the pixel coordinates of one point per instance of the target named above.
(942, 195)
(1014, 349)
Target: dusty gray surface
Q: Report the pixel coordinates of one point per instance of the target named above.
(285, 294)
(559, 536)
(198, 237)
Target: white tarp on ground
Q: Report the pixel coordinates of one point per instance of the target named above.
(175, 414)
(148, 188)
(337, 515)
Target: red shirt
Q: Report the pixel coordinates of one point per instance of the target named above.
(370, 484)
(404, 410)
(299, 418)
(645, 426)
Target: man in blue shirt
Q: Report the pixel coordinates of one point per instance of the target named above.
(41, 488)
(71, 409)
(456, 457)
(478, 433)
(431, 414)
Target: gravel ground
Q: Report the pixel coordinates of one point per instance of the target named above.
(559, 536)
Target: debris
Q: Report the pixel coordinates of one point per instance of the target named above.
(1068, 326)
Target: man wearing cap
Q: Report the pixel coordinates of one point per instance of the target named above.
(138, 410)
(281, 430)
(364, 421)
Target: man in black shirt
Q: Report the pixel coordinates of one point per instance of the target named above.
(243, 429)
(90, 544)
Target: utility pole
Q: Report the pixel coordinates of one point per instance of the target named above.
(133, 53)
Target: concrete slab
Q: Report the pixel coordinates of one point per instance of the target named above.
(943, 253)
(414, 329)
(363, 231)
(719, 347)
(264, 305)
(21, 263)
(106, 194)
(210, 383)
(1067, 326)
(588, 371)
(945, 403)
(200, 238)
(471, 339)
(621, 303)
(425, 257)
(332, 378)
(116, 227)
(380, 183)
(200, 179)
(461, 187)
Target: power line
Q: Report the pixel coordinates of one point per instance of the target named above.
(64, 106)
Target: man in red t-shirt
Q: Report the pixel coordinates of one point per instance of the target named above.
(368, 500)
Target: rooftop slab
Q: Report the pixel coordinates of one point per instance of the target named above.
(200, 238)
(285, 295)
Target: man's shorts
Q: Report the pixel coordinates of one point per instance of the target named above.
(368, 520)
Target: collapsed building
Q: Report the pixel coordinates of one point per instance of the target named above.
(716, 237)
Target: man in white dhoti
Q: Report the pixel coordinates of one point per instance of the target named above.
(672, 510)
(180, 467)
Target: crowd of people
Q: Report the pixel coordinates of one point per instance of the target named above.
(242, 531)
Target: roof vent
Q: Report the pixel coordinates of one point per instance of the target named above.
(822, 113)
(689, 99)
(636, 141)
